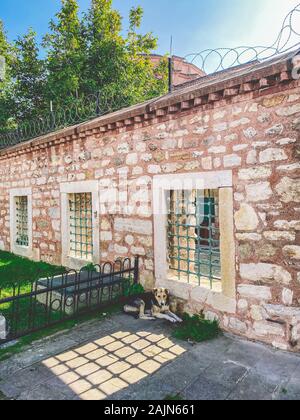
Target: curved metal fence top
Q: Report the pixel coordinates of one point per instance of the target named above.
(214, 60)
(209, 60)
(77, 111)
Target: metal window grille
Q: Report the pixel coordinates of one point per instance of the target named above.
(22, 238)
(81, 226)
(194, 237)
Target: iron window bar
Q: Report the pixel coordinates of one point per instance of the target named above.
(22, 238)
(194, 236)
(81, 225)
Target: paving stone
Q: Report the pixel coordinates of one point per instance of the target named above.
(25, 379)
(290, 392)
(245, 353)
(277, 366)
(226, 373)
(203, 389)
(53, 390)
(254, 387)
(9, 367)
(78, 366)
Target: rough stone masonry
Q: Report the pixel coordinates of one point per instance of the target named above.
(246, 121)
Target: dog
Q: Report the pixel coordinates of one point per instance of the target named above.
(156, 306)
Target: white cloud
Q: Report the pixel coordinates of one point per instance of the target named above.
(267, 24)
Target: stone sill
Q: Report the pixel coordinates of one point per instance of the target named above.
(200, 295)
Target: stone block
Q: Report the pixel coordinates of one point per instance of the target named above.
(282, 311)
(264, 329)
(258, 313)
(231, 161)
(255, 173)
(288, 190)
(249, 237)
(246, 218)
(275, 130)
(292, 252)
(286, 225)
(222, 303)
(249, 291)
(287, 297)
(288, 111)
(237, 325)
(250, 133)
(259, 192)
(199, 294)
(143, 227)
(272, 155)
(280, 236)
(243, 305)
(266, 273)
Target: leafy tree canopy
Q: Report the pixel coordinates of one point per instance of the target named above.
(82, 55)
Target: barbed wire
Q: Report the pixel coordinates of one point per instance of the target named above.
(77, 111)
(80, 110)
(218, 59)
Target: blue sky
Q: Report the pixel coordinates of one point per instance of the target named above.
(194, 24)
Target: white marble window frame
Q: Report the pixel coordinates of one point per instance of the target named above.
(21, 250)
(223, 181)
(79, 188)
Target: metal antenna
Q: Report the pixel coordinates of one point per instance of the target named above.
(171, 66)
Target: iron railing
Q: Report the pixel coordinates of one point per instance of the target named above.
(209, 60)
(218, 59)
(77, 111)
(53, 300)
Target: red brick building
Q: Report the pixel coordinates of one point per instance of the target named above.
(203, 184)
(183, 71)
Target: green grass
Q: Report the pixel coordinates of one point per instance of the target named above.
(197, 329)
(22, 273)
(19, 271)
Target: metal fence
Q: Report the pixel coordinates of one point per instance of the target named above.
(77, 111)
(213, 60)
(53, 300)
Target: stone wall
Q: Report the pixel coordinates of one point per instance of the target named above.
(255, 134)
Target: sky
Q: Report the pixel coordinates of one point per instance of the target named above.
(194, 24)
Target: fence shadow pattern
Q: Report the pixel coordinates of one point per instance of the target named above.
(72, 294)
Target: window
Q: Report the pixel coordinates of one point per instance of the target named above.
(81, 225)
(21, 222)
(194, 243)
(21, 212)
(193, 237)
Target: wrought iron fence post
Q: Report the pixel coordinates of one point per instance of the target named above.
(98, 111)
(136, 269)
(170, 74)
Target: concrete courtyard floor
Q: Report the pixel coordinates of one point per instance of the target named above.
(127, 359)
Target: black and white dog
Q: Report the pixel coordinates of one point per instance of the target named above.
(157, 306)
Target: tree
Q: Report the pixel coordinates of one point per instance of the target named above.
(28, 73)
(6, 103)
(119, 67)
(65, 51)
(82, 57)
